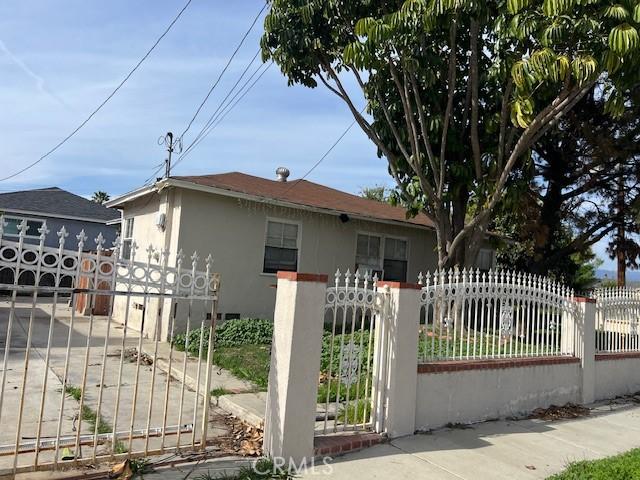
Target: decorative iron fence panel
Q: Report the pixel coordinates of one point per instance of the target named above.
(80, 379)
(617, 319)
(348, 393)
(468, 314)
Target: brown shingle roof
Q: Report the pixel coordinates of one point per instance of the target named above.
(308, 194)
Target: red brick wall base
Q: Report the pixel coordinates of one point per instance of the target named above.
(342, 443)
(462, 365)
(617, 356)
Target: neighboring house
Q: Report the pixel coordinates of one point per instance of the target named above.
(57, 207)
(254, 227)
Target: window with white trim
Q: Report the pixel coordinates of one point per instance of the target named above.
(368, 254)
(395, 259)
(384, 256)
(281, 247)
(127, 238)
(12, 229)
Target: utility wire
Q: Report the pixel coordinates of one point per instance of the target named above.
(246, 69)
(315, 165)
(214, 122)
(104, 102)
(215, 84)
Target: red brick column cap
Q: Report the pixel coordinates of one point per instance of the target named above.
(584, 300)
(399, 285)
(303, 277)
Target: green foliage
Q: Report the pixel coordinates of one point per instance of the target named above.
(140, 466)
(355, 412)
(249, 362)
(219, 391)
(358, 338)
(434, 74)
(232, 333)
(74, 392)
(620, 467)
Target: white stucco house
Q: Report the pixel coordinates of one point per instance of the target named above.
(254, 227)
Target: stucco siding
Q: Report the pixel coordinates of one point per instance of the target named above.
(479, 395)
(233, 231)
(617, 377)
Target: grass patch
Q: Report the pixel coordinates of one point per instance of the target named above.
(74, 392)
(218, 392)
(249, 362)
(355, 412)
(621, 467)
(90, 416)
(437, 344)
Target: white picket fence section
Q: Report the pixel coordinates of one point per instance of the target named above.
(617, 318)
(469, 314)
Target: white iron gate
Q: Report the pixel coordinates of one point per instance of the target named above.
(351, 385)
(81, 341)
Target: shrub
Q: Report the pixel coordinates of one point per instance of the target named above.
(233, 333)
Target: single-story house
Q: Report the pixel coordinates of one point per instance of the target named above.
(254, 227)
(58, 208)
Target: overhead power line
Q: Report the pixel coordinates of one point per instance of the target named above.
(223, 112)
(215, 84)
(104, 102)
(326, 154)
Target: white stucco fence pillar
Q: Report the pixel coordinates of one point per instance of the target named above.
(396, 362)
(295, 363)
(585, 345)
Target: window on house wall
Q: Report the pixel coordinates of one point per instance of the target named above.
(368, 254)
(127, 238)
(281, 247)
(484, 260)
(12, 229)
(395, 259)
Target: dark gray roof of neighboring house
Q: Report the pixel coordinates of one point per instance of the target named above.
(56, 202)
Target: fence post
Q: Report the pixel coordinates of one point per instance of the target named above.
(585, 345)
(398, 352)
(295, 363)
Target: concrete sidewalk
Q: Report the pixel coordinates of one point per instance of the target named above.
(526, 449)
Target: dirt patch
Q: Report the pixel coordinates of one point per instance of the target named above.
(554, 412)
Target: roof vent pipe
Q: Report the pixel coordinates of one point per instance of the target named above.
(282, 174)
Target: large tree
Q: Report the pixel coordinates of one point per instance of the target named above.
(456, 91)
(584, 179)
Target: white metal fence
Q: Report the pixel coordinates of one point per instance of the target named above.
(617, 318)
(346, 386)
(80, 380)
(469, 314)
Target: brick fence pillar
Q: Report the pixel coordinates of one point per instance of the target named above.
(295, 366)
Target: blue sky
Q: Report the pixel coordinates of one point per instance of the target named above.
(59, 60)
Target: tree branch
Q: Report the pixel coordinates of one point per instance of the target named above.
(473, 77)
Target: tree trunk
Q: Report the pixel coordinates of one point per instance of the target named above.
(620, 233)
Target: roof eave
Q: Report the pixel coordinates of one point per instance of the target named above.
(135, 194)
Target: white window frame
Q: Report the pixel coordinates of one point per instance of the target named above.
(124, 232)
(406, 241)
(298, 223)
(369, 234)
(382, 238)
(19, 219)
